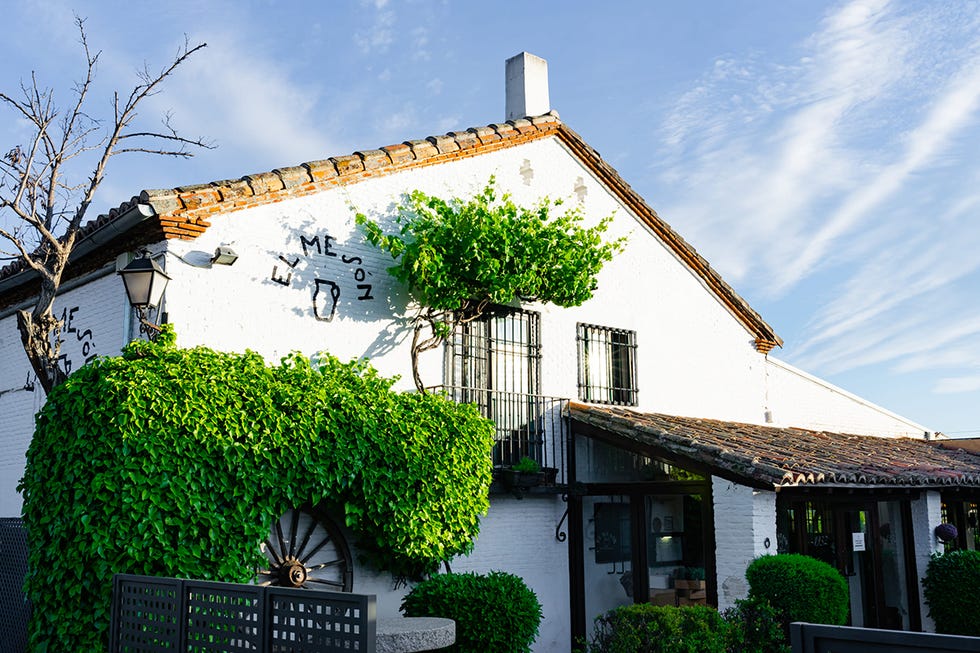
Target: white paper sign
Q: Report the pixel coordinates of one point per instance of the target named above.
(857, 539)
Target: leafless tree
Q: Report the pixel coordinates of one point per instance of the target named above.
(44, 206)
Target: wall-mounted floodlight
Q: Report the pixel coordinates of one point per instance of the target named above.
(224, 256)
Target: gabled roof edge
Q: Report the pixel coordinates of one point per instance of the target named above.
(184, 212)
(766, 338)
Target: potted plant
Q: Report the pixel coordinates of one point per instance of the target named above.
(525, 473)
(690, 578)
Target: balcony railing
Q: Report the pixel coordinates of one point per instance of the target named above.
(527, 425)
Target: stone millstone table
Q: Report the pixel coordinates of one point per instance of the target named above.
(410, 634)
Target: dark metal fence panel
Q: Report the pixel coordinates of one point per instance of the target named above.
(814, 638)
(15, 611)
(146, 614)
(223, 617)
(304, 621)
(156, 615)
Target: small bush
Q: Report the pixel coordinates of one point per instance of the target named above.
(801, 588)
(494, 612)
(952, 591)
(644, 628)
(755, 627)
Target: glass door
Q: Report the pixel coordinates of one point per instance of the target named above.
(869, 543)
(856, 562)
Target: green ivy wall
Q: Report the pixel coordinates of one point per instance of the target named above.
(176, 462)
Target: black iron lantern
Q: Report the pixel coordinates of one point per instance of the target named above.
(145, 283)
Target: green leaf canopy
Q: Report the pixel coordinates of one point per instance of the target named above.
(486, 248)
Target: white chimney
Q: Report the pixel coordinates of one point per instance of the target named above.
(527, 86)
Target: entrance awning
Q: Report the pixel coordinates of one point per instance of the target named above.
(766, 456)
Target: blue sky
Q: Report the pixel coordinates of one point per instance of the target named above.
(823, 156)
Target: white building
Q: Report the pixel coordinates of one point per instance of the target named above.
(666, 368)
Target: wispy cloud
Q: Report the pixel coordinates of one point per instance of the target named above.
(234, 94)
(851, 167)
(955, 108)
(254, 104)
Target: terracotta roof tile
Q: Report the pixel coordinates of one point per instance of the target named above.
(231, 189)
(162, 201)
(444, 143)
(778, 457)
(321, 170)
(522, 125)
(422, 148)
(546, 119)
(399, 153)
(485, 134)
(347, 165)
(465, 140)
(264, 182)
(293, 176)
(374, 159)
(505, 130)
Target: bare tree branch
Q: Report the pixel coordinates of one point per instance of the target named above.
(47, 207)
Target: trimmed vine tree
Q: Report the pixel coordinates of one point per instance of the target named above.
(458, 256)
(176, 462)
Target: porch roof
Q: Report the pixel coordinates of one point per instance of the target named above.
(772, 457)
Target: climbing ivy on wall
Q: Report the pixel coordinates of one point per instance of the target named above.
(457, 256)
(176, 462)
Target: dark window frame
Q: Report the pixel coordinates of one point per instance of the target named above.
(607, 370)
(494, 361)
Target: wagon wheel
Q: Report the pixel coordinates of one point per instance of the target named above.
(305, 548)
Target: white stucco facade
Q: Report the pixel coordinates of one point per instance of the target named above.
(307, 281)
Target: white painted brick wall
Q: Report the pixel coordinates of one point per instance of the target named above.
(518, 536)
(95, 316)
(744, 520)
(796, 398)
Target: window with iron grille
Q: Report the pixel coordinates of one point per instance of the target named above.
(494, 361)
(606, 365)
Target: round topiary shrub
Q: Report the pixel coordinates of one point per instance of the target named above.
(801, 588)
(493, 612)
(952, 591)
(645, 628)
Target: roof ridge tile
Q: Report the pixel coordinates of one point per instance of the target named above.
(444, 143)
(348, 164)
(374, 159)
(399, 153)
(293, 176)
(422, 148)
(321, 169)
